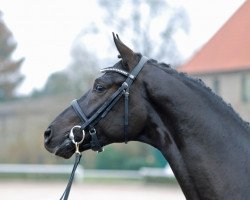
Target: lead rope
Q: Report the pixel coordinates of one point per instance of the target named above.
(78, 156)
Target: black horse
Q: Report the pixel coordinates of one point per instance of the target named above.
(205, 142)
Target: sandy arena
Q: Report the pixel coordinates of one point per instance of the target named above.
(17, 190)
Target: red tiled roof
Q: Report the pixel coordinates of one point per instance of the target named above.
(229, 48)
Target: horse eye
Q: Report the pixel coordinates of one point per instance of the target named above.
(99, 88)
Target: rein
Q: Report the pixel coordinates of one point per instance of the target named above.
(78, 157)
(89, 123)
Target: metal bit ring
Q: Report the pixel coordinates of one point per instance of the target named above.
(72, 137)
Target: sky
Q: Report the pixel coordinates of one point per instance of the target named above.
(45, 30)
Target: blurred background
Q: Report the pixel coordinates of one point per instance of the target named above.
(51, 51)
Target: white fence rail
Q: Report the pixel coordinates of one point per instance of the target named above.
(40, 169)
(82, 173)
(100, 173)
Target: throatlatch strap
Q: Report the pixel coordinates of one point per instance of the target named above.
(66, 192)
(126, 96)
(129, 82)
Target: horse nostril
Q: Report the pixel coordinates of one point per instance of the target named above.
(47, 135)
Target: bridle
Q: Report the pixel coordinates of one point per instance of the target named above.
(87, 124)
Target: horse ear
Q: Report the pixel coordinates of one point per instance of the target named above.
(129, 58)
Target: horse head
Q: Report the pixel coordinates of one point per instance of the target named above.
(110, 128)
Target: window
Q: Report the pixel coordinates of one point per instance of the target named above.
(216, 85)
(245, 88)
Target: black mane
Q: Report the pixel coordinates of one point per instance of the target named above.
(198, 83)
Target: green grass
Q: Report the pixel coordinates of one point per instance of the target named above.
(160, 180)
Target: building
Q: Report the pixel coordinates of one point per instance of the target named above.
(224, 62)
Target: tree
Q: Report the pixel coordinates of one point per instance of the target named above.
(82, 69)
(10, 76)
(149, 24)
(57, 83)
(75, 79)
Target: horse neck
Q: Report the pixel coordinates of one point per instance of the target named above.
(204, 141)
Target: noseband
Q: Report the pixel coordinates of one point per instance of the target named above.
(89, 123)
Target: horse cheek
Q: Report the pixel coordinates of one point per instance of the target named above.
(137, 120)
